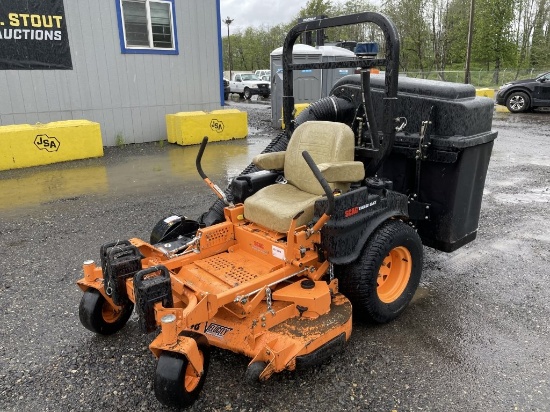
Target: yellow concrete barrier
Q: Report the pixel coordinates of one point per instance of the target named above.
(501, 109)
(25, 145)
(486, 92)
(173, 120)
(188, 128)
(298, 107)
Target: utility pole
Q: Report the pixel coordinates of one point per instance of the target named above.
(469, 48)
(228, 21)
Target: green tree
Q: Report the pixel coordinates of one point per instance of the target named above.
(315, 8)
(494, 41)
(439, 12)
(414, 32)
(433, 33)
(251, 47)
(355, 32)
(457, 18)
(539, 49)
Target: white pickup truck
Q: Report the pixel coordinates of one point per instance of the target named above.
(247, 84)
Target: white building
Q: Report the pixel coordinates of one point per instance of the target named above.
(122, 63)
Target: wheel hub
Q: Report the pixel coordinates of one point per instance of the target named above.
(110, 314)
(192, 378)
(517, 102)
(394, 274)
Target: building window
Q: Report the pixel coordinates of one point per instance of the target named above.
(147, 26)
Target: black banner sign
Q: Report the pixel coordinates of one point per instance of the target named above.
(33, 36)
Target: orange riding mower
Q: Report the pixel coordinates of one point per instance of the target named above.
(250, 286)
(336, 216)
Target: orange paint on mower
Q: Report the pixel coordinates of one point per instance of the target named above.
(236, 285)
(241, 298)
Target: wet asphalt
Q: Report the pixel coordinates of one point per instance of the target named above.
(475, 338)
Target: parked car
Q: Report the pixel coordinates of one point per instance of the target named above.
(226, 89)
(522, 95)
(263, 75)
(247, 84)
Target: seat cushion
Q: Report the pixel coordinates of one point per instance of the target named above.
(274, 207)
(325, 142)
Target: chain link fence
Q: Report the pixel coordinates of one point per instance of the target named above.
(478, 78)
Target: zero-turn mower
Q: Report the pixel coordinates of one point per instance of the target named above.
(337, 215)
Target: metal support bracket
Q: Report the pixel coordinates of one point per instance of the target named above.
(418, 210)
(424, 143)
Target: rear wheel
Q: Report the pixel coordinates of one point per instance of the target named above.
(177, 383)
(382, 281)
(518, 102)
(99, 316)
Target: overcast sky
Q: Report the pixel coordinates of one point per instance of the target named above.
(259, 12)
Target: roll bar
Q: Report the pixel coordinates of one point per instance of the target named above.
(390, 62)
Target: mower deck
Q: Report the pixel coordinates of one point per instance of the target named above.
(245, 288)
(275, 338)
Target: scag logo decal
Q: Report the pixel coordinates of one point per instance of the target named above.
(216, 330)
(213, 329)
(45, 142)
(354, 210)
(216, 125)
(351, 212)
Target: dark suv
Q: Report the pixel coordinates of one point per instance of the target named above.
(521, 95)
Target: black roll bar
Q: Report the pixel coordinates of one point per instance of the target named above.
(391, 64)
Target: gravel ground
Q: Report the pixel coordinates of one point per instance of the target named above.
(476, 336)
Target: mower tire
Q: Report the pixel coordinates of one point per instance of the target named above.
(99, 316)
(176, 383)
(382, 281)
(252, 374)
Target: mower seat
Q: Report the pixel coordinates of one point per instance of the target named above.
(332, 147)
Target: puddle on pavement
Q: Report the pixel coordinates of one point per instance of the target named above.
(518, 158)
(539, 195)
(123, 173)
(420, 294)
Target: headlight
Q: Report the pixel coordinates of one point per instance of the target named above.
(505, 86)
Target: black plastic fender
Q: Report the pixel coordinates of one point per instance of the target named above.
(356, 215)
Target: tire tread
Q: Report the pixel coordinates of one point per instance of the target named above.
(357, 281)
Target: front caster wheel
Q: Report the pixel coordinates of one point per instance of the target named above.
(382, 281)
(99, 316)
(252, 374)
(177, 383)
